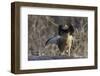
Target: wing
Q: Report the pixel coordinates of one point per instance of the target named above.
(53, 40)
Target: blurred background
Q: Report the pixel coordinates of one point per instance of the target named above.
(41, 28)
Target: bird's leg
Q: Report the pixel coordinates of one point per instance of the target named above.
(66, 49)
(63, 52)
(69, 51)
